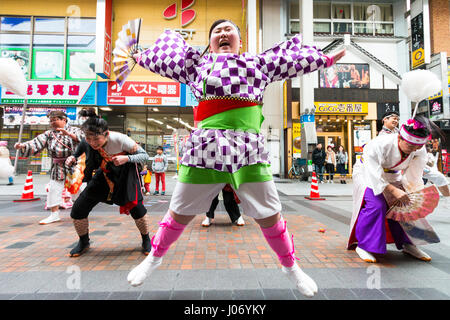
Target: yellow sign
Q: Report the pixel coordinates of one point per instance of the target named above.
(342, 107)
(418, 58)
(296, 136)
(14, 135)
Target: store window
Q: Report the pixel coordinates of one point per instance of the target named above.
(333, 17)
(62, 48)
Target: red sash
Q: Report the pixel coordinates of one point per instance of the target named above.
(208, 108)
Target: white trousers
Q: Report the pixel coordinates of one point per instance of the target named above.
(259, 200)
(54, 195)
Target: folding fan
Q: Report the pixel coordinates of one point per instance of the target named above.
(126, 45)
(422, 203)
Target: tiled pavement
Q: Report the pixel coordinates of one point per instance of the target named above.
(115, 245)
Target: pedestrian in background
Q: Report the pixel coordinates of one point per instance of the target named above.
(147, 174)
(342, 162)
(330, 164)
(318, 159)
(5, 163)
(61, 141)
(230, 201)
(159, 167)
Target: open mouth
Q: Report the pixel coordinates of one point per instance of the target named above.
(224, 43)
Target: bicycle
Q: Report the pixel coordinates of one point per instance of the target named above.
(295, 172)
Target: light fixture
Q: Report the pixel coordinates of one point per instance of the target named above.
(154, 120)
(105, 109)
(155, 109)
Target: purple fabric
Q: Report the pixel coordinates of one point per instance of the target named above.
(244, 75)
(370, 230)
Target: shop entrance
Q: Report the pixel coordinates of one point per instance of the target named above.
(334, 138)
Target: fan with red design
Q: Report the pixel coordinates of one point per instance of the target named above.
(422, 203)
(126, 45)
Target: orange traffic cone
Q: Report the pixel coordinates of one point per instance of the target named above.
(28, 193)
(314, 195)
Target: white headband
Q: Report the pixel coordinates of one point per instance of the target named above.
(410, 138)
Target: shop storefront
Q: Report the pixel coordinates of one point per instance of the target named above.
(42, 97)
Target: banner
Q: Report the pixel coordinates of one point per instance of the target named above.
(54, 92)
(144, 93)
(35, 115)
(342, 107)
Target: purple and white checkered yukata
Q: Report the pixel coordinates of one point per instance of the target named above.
(227, 147)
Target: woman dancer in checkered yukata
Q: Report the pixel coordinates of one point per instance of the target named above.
(226, 147)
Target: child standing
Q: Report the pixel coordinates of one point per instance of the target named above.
(147, 179)
(159, 167)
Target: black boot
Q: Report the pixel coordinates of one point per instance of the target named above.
(81, 247)
(146, 244)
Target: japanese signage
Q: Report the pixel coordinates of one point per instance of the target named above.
(342, 107)
(144, 93)
(35, 115)
(54, 92)
(420, 33)
(383, 107)
(103, 38)
(297, 140)
(436, 106)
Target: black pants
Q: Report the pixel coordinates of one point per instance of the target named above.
(230, 205)
(97, 191)
(330, 170)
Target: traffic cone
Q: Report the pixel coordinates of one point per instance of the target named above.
(28, 193)
(314, 194)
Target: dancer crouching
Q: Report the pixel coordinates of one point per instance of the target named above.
(116, 181)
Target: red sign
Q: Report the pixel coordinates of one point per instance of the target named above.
(187, 15)
(144, 93)
(104, 38)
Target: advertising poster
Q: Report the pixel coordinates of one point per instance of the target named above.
(344, 75)
(35, 115)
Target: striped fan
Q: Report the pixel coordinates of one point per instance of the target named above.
(126, 45)
(422, 203)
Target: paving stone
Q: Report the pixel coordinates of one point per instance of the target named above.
(99, 232)
(19, 245)
(20, 225)
(279, 294)
(338, 294)
(369, 294)
(217, 295)
(125, 295)
(155, 295)
(47, 233)
(112, 224)
(248, 295)
(429, 294)
(62, 296)
(186, 295)
(93, 295)
(400, 294)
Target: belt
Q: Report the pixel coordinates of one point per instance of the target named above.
(59, 160)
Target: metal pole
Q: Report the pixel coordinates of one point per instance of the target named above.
(24, 111)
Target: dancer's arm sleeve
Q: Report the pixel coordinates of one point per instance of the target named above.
(412, 176)
(36, 145)
(171, 57)
(81, 148)
(291, 59)
(373, 156)
(135, 151)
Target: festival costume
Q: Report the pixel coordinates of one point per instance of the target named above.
(382, 163)
(60, 147)
(227, 147)
(111, 184)
(6, 168)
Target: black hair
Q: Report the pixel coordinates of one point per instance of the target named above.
(391, 113)
(58, 114)
(429, 127)
(160, 148)
(94, 124)
(214, 25)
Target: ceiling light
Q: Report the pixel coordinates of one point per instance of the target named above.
(105, 109)
(155, 109)
(154, 120)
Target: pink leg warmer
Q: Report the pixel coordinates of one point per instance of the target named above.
(278, 238)
(169, 231)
